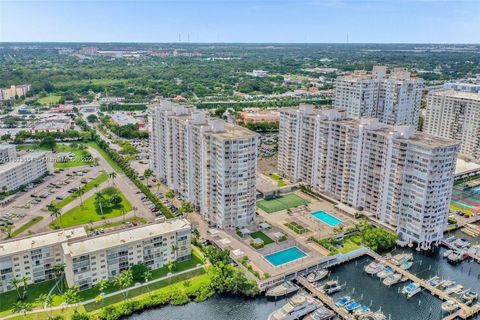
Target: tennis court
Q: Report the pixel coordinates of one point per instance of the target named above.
(466, 200)
(281, 203)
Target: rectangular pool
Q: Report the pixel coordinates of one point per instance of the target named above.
(285, 256)
(327, 218)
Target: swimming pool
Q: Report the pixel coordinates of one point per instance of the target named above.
(327, 218)
(285, 256)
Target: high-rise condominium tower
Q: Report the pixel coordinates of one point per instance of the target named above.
(399, 177)
(208, 162)
(393, 98)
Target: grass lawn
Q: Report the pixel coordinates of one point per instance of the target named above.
(89, 213)
(276, 177)
(158, 273)
(7, 299)
(64, 148)
(114, 165)
(49, 100)
(296, 228)
(102, 177)
(348, 246)
(281, 203)
(26, 226)
(119, 223)
(259, 234)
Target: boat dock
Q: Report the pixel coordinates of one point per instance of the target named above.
(465, 312)
(325, 299)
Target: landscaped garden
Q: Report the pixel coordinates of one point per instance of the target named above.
(260, 235)
(81, 157)
(297, 228)
(105, 204)
(50, 100)
(26, 226)
(281, 203)
(279, 179)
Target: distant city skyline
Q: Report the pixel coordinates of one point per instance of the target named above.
(263, 21)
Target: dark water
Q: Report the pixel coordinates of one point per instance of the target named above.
(364, 288)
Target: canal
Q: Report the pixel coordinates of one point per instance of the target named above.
(364, 288)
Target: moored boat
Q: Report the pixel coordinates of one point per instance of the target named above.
(282, 289)
(352, 305)
(434, 281)
(342, 301)
(392, 279)
(406, 264)
(385, 273)
(454, 289)
(317, 275)
(297, 306)
(450, 306)
(373, 268)
(411, 289)
(361, 310)
(331, 287)
(322, 313)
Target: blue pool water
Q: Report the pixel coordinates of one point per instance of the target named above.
(326, 218)
(285, 256)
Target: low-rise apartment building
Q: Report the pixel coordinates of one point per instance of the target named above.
(90, 260)
(455, 115)
(14, 91)
(394, 98)
(397, 176)
(25, 169)
(208, 162)
(34, 257)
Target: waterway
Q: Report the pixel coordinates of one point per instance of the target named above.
(364, 288)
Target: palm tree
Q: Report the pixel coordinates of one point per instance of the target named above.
(15, 282)
(174, 250)
(147, 174)
(21, 307)
(24, 283)
(54, 212)
(112, 176)
(159, 184)
(134, 211)
(147, 276)
(59, 271)
(99, 200)
(46, 301)
(79, 193)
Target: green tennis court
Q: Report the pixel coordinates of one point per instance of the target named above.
(281, 203)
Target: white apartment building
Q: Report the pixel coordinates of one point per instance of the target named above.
(34, 257)
(455, 115)
(8, 152)
(25, 169)
(210, 163)
(90, 260)
(393, 98)
(398, 177)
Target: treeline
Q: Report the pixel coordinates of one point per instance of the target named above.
(67, 135)
(126, 168)
(240, 105)
(262, 126)
(123, 107)
(129, 131)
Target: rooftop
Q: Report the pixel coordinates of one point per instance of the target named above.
(232, 131)
(23, 159)
(457, 94)
(6, 146)
(16, 246)
(124, 237)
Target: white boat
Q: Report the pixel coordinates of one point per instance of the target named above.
(282, 289)
(454, 289)
(331, 287)
(297, 306)
(474, 250)
(470, 296)
(372, 316)
(361, 310)
(406, 264)
(434, 281)
(317, 275)
(321, 313)
(447, 253)
(446, 284)
(373, 268)
(456, 256)
(450, 306)
(461, 243)
(411, 289)
(392, 279)
(385, 273)
(401, 257)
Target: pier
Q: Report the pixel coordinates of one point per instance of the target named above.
(325, 299)
(465, 312)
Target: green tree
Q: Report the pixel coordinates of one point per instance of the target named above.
(54, 212)
(92, 118)
(170, 194)
(71, 295)
(124, 280)
(100, 202)
(147, 174)
(79, 193)
(48, 142)
(46, 301)
(112, 175)
(59, 272)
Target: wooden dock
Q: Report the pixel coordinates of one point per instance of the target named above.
(465, 312)
(325, 299)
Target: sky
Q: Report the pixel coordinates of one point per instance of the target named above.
(285, 21)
